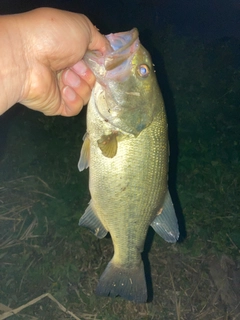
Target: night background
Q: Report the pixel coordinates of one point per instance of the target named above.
(195, 46)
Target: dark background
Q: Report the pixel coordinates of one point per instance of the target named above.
(208, 19)
(195, 46)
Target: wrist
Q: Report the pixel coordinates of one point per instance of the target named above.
(13, 66)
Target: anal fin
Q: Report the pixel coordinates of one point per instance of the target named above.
(165, 223)
(90, 221)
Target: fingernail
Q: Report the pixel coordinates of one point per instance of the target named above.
(80, 67)
(69, 93)
(72, 79)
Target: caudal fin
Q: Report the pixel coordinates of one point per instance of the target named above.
(128, 283)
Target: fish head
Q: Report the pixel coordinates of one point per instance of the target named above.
(126, 84)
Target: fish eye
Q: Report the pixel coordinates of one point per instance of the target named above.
(143, 70)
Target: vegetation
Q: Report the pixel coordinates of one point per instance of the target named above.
(42, 196)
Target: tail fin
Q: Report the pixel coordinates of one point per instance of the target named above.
(128, 283)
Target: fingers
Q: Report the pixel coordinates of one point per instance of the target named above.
(84, 73)
(98, 41)
(72, 103)
(76, 84)
(56, 39)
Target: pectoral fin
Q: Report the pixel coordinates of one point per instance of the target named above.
(91, 221)
(108, 145)
(165, 223)
(84, 155)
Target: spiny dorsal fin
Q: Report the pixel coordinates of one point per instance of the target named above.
(108, 145)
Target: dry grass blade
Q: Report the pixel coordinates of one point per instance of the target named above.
(22, 235)
(28, 232)
(4, 308)
(232, 242)
(61, 307)
(177, 301)
(31, 177)
(17, 198)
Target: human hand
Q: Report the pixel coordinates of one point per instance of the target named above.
(56, 80)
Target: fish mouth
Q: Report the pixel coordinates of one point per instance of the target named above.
(123, 46)
(115, 62)
(121, 97)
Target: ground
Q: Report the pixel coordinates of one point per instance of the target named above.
(42, 197)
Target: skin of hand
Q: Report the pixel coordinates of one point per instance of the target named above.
(42, 60)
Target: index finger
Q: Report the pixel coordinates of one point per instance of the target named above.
(98, 41)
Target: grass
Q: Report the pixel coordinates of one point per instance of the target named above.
(42, 196)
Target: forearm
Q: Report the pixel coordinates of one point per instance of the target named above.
(13, 64)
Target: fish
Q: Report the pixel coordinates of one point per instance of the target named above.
(126, 150)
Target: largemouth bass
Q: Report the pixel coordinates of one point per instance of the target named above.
(126, 150)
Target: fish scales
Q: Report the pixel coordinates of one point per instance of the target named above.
(123, 200)
(126, 149)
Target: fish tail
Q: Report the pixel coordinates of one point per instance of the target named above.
(129, 283)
